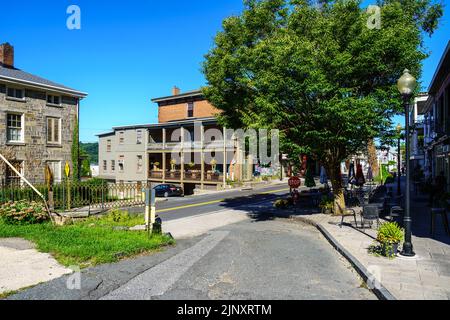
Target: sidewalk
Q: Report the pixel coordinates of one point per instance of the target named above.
(427, 277)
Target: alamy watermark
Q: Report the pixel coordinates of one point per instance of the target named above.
(73, 21)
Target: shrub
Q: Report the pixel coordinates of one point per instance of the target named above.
(23, 213)
(390, 233)
(116, 215)
(281, 204)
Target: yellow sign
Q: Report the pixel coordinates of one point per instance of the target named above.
(67, 169)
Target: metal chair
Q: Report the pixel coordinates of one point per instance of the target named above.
(370, 213)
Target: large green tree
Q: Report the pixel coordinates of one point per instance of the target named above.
(317, 71)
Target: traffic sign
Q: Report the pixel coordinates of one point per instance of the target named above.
(295, 182)
(67, 169)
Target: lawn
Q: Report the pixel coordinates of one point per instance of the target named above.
(90, 242)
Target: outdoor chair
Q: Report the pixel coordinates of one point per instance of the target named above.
(370, 213)
(348, 212)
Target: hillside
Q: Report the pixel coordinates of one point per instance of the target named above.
(91, 149)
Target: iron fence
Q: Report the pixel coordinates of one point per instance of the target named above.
(67, 195)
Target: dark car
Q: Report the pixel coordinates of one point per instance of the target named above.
(168, 190)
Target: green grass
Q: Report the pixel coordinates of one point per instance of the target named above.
(90, 242)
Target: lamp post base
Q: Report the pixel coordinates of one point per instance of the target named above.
(408, 250)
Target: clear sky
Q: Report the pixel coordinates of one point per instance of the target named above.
(128, 52)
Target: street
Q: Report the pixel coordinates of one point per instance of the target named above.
(259, 258)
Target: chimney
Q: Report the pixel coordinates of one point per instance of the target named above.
(176, 91)
(7, 55)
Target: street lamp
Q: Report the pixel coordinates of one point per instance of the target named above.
(406, 85)
(399, 160)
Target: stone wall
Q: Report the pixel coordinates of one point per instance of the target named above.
(35, 151)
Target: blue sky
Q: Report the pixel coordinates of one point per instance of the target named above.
(128, 52)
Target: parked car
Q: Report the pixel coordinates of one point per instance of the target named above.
(168, 190)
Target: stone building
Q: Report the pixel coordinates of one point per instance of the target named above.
(37, 121)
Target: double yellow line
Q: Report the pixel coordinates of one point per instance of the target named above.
(210, 202)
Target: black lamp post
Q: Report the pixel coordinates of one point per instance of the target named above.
(399, 161)
(406, 85)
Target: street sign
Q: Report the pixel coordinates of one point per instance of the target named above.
(67, 169)
(295, 182)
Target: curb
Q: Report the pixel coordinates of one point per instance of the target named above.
(381, 292)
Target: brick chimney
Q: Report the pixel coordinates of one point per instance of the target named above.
(7, 55)
(176, 91)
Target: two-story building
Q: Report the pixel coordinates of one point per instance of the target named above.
(37, 121)
(186, 147)
(437, 120)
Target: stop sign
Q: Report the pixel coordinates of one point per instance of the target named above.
(295, 182)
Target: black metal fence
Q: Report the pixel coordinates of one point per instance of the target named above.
(95, 194)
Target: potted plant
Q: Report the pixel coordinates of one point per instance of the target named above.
(327, 205)
(390, 235)
(191, 166)
(213, 164)
(155, 166)
(173, 164)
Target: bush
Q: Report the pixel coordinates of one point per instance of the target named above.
(281, 204)
(23, 213)
(390, 233)
(118, 216)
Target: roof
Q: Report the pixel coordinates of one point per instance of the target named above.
(189, 94)
(14, 75)
(171, 124)
(442, 71)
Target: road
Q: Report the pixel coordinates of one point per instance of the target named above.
(258, 258)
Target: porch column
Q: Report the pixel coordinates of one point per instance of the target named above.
(164, 138)
(164, 166)
(224, 157)
(202, 152)
(182, 157)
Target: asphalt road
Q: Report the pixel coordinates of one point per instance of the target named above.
(267, 260)
(182, 207)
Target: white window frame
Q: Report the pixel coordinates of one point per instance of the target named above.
(52, 104)
(22, 132)
(193, 108)
(140, 168)
(8, 97)
(139, 136)
(121, 164)
(113, 165)
(108, 145)
(53, 130)
(121, 137)
(105, 166)
(14, 175)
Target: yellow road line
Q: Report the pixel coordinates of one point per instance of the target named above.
(210, 202)
(190, 206)
(275, 191)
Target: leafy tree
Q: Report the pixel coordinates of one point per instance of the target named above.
(317, 73)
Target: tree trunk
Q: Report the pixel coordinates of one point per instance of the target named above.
(338, 189)
(373, 161)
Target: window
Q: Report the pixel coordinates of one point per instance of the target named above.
(12, 178)
(16, 94)
(55, 166)
(108, 145)
(105, 165)
(113, 165)
(139, 136)
(15, 127)
(190, 110)
(53, 100)
(53, 130)
(121, 137)
(139, 164)
(121, 163)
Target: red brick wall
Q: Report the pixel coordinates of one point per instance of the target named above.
(202, 109)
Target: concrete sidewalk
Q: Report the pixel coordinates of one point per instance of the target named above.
(427, 277)
(21, 265)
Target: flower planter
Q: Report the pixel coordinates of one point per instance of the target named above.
(389, 250)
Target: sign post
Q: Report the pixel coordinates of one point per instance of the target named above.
(150, 209)
(67, 172)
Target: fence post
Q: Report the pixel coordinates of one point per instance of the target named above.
(103, 194)
(68, 194)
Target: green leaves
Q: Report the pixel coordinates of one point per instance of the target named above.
(317, 73)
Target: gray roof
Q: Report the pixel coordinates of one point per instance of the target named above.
(188, 94)
(22, 77)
